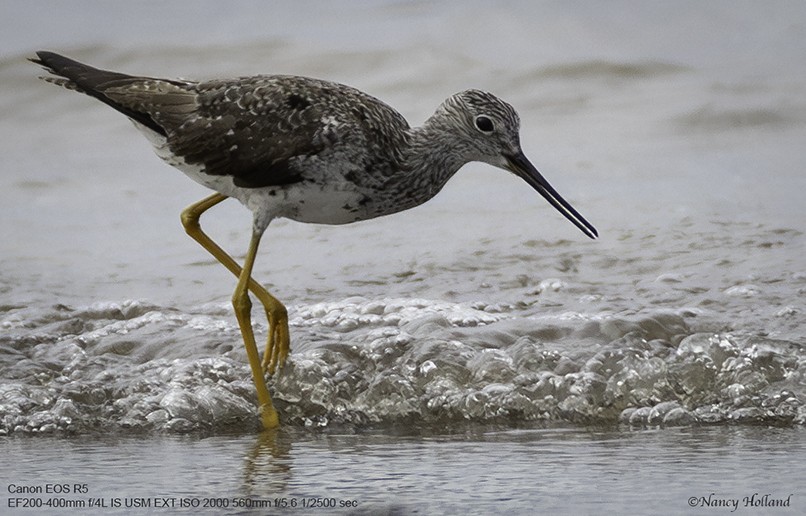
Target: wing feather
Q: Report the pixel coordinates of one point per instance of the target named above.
(261, 130)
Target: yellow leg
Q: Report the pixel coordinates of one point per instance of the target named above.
(278, 340)
(243, 309)
(277, 346)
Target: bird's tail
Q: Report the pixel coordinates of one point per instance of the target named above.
(83, 78)
(77, 76)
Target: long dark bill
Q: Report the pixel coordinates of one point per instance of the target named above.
(524, 169)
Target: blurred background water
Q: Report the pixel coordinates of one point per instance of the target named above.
(481, 318)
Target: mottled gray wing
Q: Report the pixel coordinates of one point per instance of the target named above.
(253, 129)
(260, 130)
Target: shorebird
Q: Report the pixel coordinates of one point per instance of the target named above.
(305, 149)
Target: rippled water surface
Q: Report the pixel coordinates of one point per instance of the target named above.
(484, 471)
(481, 324)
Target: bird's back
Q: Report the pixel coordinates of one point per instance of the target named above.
(262, 131)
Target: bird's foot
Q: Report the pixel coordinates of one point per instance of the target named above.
(278, 343)
(269, 417)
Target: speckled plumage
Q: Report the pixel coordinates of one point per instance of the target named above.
(305, 149)
(302, 148)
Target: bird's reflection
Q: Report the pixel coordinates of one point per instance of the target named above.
(267, 468)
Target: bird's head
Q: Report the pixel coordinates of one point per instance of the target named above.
(487, 129)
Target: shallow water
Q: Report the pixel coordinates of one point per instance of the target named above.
(485, 471)
(676, 131)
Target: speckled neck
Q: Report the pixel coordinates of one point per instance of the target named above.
(433, 155)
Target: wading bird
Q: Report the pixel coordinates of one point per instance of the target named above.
(305, 149)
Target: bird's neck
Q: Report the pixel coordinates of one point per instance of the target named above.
(431, 158)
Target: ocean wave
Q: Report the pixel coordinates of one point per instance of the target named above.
(711, 118)
(135, 367)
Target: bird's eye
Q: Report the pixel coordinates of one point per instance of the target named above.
(484, 124)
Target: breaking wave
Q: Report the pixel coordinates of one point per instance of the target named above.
(134, 367)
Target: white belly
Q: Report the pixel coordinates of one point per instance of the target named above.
(334, 203)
